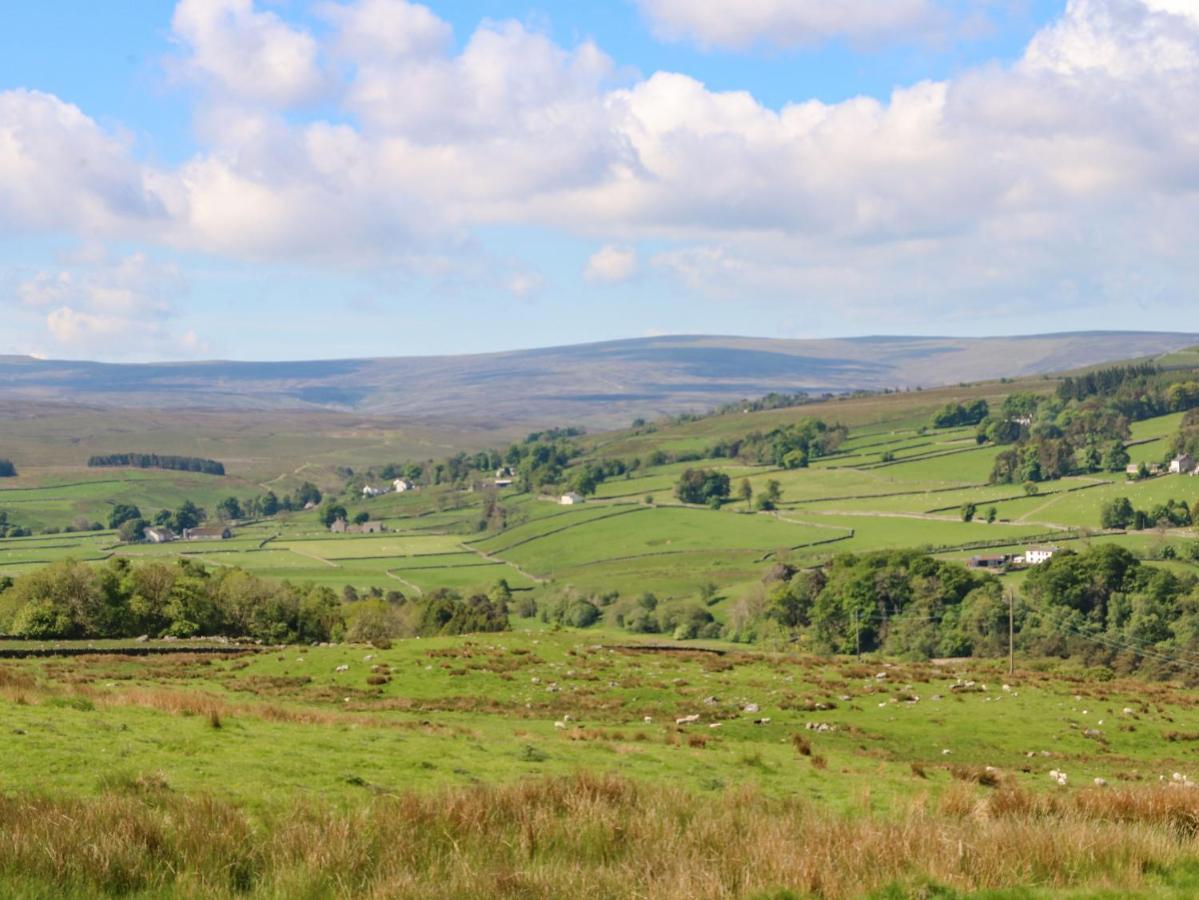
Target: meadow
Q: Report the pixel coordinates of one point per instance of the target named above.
(549, 761)
(580, 751)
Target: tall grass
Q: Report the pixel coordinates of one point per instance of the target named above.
(585, 835)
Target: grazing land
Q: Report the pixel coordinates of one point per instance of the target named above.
(652, 722)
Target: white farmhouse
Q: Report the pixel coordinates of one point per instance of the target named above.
(1182, 465)
(371, 491)
(402, 484)
(1034, 556)
(570, 499)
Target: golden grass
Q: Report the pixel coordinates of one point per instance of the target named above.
(589, 836)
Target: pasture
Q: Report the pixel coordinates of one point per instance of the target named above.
(438, 721)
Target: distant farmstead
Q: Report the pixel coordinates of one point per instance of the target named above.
(570, 499)
(372, 491)
(156, 535)
(341, 526)
(207, 533)
(402, 484)
(997, 562)
(1034, 556)
(1182, 465)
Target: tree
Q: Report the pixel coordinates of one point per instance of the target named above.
(1117, 513)
(270, 504)
(774, 491)
(121, 513)
(746, 491)
(132, 530)
(992, 515)
(229, 508)
(7, 469)
(1116, 458)
(702, 486)
(308, 493)
(188, 516)
(968, 511)
(331, 512)
(362, 517)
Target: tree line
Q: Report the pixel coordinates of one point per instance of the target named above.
(157, 461)
(183, 598)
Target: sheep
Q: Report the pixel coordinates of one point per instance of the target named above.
(1060, 777)
(686, 720)
(342, 668)
(1100, 782)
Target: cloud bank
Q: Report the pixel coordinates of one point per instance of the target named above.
(1068, 175)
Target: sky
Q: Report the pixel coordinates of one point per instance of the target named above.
(301, 179)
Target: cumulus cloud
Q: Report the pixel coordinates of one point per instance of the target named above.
(1005, 180)
(785, 23)
(611, 265)
(247, 53)
(101, 305)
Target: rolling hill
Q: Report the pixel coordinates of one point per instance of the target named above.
(599, 385)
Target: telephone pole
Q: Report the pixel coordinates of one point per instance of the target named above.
(1011, 631)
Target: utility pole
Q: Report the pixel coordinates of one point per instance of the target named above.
(1011, 631)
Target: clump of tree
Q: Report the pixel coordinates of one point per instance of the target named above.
(446, 612)
(1104, 382)
(791, 446)
(7, 469)
(954, 415)
(11, 529)
(1120, 513)
(682, 620)
(156, 461)
(703, 486)
(183, 598)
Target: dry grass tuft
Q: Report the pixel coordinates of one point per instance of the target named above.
(600, 836)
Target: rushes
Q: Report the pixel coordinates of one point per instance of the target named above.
(598, 836)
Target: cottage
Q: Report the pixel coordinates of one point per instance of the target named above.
(208, 533)
(402, 484)
(997, 562)
(157, 535)
(369, 528)
(1034, 556)
(570, 499)
(339, 526)
(372, 491)
(1182, 465)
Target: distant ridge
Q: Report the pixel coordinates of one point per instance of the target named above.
(597, 384)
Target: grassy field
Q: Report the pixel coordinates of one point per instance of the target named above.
(844, 745)
(548, 762)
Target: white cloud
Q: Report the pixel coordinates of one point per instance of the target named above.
(105, 306)
(611, 265)
(60, 170)
(387, 30)
(786, 23)
(1036, 179)
(247, 54)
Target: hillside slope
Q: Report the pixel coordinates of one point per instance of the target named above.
(602, 384)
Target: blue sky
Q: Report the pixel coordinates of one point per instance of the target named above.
(271, 180)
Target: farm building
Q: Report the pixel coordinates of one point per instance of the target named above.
(156, 535)
(208, 533)
(993, 562)
(402, 484)
(1182, 465)
(503, 482)
(341, 526)
(1034, 556)
(570, 499)
(371, 491)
